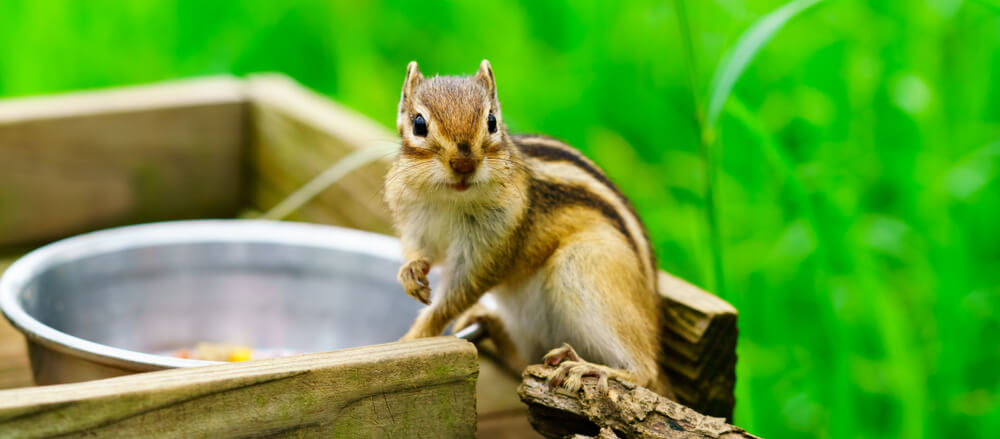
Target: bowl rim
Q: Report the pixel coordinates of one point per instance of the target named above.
(22, 271)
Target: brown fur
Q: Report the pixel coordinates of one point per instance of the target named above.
(537, 224)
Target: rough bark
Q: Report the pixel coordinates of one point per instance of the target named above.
(625, 411)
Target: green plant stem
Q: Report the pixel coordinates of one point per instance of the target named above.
(711, 214)
(691, 62)
(707, 144)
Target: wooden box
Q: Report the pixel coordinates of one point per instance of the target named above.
(224, 147)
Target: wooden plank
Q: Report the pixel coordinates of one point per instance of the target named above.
(295, 135)
(691, 306)
(76, 162)
(501, 415)
(699, 344)
(15, 370)
(423, 388)
(513, 425)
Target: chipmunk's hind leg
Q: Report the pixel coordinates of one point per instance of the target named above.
(602, 306)
(570, 370)
(495, 331)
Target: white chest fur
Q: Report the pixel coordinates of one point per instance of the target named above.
(448, 228)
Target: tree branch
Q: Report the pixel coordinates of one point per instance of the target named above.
(626, 411)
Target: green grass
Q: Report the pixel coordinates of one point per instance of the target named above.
(854, 164)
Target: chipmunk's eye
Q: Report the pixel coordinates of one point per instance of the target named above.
(491, 123)
(419, 126)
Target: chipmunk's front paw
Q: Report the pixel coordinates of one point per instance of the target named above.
(413, 277)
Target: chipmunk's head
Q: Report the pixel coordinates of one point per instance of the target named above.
(451, 128)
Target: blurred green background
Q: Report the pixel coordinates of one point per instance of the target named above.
(854, 177)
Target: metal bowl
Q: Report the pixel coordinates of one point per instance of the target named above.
(113, 302)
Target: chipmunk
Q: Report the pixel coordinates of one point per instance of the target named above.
(530, 220)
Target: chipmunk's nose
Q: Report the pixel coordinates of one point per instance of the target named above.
(463, 165)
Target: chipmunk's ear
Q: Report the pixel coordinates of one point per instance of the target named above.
(485, 76)
(413, 78)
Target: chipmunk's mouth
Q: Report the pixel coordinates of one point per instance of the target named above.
(461, 186)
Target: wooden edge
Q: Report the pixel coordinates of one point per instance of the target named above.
(679, 290)
(16, 399)
(310, 390)
(719, 337)
(690, 310)
(167, 94)
(322, 113)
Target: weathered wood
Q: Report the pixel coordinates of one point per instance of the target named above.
(14, 368)
(422, 388)
(507, 425)
(699, 343)
(15, 371)
(626, 411)
(81, 161)
(295, 135)
(501, 415)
